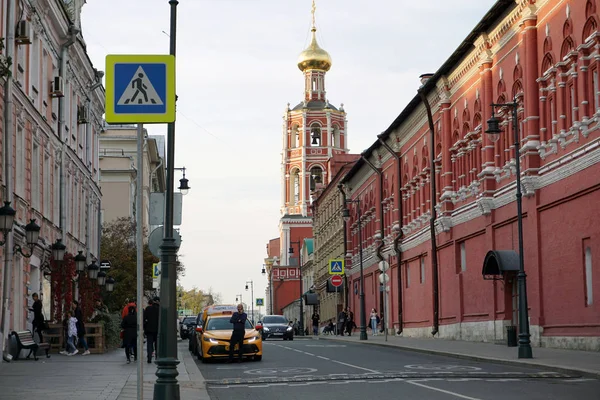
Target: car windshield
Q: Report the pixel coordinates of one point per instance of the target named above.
(223, 324)
(189, 320)
(275, 319)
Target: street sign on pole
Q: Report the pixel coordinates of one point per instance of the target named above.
(260, 302)
(336, 267)
(140, 89)
(336, 280)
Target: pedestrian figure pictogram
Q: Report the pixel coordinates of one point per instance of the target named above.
(140, 91)
(336, 267)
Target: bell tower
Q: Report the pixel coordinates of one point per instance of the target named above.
(313, 131)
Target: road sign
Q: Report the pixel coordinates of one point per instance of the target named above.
(337, 280)
(105, 264)
(260, 302)
(140, 89)
(155, 240)
(155, 270)
(336, 267)
(384, 278)
(384, 266)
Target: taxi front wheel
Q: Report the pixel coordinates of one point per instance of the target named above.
(257, 358)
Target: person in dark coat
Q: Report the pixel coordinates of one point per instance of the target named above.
(341, 323)
(238, 319)
(129, 325)
(39, 321)
(77, 313)
(151, 326)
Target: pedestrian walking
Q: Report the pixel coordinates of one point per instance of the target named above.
(349, 322)
(151, 326)
(71, 323)
(238, 319)
(129, 326)
(80, 328)
(39, 323)
(315, 323)
(341, 323)
(374, 321)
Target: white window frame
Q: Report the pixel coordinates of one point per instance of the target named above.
(47, 172)
(20, 162)
(422, 278)
(35, 176)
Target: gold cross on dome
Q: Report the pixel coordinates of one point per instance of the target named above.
(313, 9)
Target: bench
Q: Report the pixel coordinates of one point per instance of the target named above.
(25, 341)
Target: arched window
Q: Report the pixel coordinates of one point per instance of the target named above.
(316, 176)
(295, 137)
(295, 186)
(315, 135)
(335, 136)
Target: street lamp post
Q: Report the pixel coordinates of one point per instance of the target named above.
(363, 316)
(166, 386)
(291, 251)
(494, 131)
(252, 295)
(239, 299)
(264, 271)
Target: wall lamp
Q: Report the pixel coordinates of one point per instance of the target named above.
(58, 251)
(32, 233)
(93, 270)
(32, 230)
(110, 284)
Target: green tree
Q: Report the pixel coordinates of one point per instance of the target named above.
(118, 245)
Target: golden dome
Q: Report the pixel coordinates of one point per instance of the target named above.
(314, 57)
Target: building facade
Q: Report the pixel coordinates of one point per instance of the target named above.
(329, 236)
(52, 103)
(544, 56)
(118, 172)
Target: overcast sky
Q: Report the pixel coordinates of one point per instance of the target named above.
(236, 71)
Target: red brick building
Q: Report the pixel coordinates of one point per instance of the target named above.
(544, 54)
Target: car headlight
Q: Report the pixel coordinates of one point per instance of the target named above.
(211, 340)
(289, 328)
(265, 329)
(254, 338)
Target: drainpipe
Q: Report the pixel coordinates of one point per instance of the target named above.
(341, 189)
(434, 263)
(398, 237)
(8, 169)
(64, 51)
(380, 174)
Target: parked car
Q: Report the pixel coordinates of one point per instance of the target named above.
(276, 326)
(185, 324)
(193, 345)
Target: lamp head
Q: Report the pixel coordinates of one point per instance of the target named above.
(58, 250)
(110, 284)
(346, 214)
(80, 260)
(7, 217)
(183, 186)
(263, 271)
(493, 129)
(32, 232)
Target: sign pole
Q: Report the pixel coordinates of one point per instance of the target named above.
(139, 228)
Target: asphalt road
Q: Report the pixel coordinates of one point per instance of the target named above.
(318, 369)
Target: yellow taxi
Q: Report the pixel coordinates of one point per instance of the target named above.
(215, 333)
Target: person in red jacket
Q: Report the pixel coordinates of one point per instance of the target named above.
(125, 311)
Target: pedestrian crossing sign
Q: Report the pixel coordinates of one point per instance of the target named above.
(336, 267)
(260, 302)
(140, 89)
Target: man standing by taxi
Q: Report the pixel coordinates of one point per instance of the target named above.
(238, 319)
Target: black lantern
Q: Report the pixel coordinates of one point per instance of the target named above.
(493, 129)
(93, 269)
(263, 271)
(58, 250)
(101, 278)
(291, 250)
(7, 217)
(80, 260)
(32, 233)
(183, 184)
(110, 284)
(346, 214)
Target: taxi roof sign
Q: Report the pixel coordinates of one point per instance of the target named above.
(226, 309)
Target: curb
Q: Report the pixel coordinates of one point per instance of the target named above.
(561, 369)
(194, 373)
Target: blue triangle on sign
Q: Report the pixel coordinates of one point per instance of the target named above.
(336, 266)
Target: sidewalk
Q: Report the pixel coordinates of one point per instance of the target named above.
(93, 377)
(566, 361)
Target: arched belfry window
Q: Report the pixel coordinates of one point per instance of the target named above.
(296, 186)
(315, 135)
(295, 137)
(316, 176)
(335, 136)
